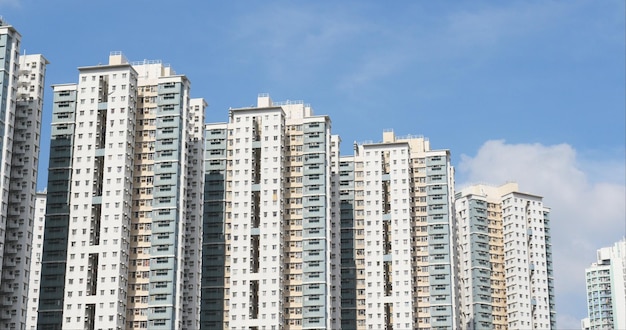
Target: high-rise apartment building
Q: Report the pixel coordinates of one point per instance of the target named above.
(21, 102)
(606, 292)
(505, 259)
(271, 243)
(122, 234)
(397, 236)
(35, 261)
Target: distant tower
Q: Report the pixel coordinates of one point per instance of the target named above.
(606, 293)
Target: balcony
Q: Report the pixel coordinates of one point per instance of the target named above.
(6, 289)
(9, 262)
(12, 239)
(10, 249)
(8, 276)
(22, 95)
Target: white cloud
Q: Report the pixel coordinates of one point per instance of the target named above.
(588, 208)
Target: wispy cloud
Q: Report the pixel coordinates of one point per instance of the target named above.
(10, 3)
(300, 37)
(355, 49)
(587, 213)
(460, 39)
(489, 26)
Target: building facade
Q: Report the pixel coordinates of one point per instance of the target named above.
(21, 102)
(35, 261)
(271, 253)
(397, 230)
(505, 259)
(606, 292)
(121, 229)
(214, 247)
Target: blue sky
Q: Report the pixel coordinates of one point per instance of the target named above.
(512, 88)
